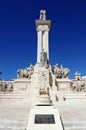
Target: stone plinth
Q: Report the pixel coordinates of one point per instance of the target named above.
(38, 121)
(64, 85)
(41, 76)
(20, 85)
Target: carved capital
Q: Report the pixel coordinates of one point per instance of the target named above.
(42, 28)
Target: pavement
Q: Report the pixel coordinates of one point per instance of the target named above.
(14, 114)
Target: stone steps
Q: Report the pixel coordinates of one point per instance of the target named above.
(74, 125)
(12, 126)
(74, 96)
(11, 96)
(22, 125)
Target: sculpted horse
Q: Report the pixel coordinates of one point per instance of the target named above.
(60, 72)
(79, 86)
(6, 87)
(25, 73)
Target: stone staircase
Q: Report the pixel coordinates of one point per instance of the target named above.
(74, 96)
(7, 96)
(74, 125)
(73, 114)
(12, 125)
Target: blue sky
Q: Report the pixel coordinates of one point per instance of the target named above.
(18, 38)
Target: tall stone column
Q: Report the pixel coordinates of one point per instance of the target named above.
(39, 46)
(46, 43)
(42, 27)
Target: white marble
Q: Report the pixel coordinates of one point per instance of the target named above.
(44, 110)
(42, 27)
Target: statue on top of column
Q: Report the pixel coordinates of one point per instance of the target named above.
(42, 15)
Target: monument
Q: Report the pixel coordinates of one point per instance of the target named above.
(43, 28)
(42, 87)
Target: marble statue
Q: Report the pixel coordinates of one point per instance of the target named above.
(79, 86)
(77, 76)
(60, 72)
(43, 58)
(42, 80)
(42, 15)
(43, 85)
(25, 73)
(6, 86)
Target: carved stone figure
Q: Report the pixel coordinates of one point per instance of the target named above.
(22, 73)
(77, 76)
(43, 79)
(60, 72)
(79, 83)
(42, 15)
(43, 58)
(43, 86)
(6, 87)
(3, 86)
(9, 87)
(79, 86)
(25, 73)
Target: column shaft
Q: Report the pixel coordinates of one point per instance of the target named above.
(39, 47)
(46, 44)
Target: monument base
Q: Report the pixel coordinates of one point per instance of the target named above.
(20, 85)
(64, 85)
(44, 118)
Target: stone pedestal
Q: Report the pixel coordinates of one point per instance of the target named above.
(20, 85)
(44, 118)
(41, 76)
(64, 85)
